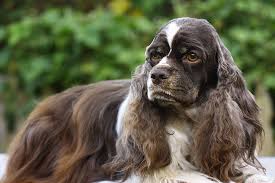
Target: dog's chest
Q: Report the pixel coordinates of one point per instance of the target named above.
(179, 138)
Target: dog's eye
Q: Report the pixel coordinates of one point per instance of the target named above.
(192, 57)
(157, 55)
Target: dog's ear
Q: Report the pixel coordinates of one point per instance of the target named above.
(142, 144)
(229, 127)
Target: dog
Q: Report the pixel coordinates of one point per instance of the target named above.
(185, 116)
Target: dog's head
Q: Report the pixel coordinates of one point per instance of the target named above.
(184, 56)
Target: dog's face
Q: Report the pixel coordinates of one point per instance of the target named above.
(183, 56)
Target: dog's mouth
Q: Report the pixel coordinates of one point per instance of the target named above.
(161, 96)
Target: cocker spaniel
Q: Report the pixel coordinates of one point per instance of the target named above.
(185, 116)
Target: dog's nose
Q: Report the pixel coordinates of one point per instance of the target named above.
(159, 74)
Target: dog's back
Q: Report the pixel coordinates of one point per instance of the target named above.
(68, 136)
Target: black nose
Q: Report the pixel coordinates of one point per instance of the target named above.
(159, 74)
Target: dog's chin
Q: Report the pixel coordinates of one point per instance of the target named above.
(168, 98)
(162, 98)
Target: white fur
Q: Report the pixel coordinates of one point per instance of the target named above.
(120, 115)
(149, 91)
(176, 177)
(257, 178)
(179, 145)
(164, 62)
(254, 175)
(171, 31)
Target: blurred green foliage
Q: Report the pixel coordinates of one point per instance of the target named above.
(46, 47)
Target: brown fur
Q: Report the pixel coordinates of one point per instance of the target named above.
(71, 138)
(142, 147)
(229, 127)
(63, 137)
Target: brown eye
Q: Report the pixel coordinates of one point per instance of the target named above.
(192, 57)
(156, 57)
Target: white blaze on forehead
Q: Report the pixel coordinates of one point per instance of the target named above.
(163, 62)
(171, 30)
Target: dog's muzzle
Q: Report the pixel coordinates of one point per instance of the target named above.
(158, 83)
(159, 75)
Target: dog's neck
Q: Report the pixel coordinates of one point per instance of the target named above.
(179, 136)
(179, 128)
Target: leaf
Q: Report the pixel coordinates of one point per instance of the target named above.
(120, 7)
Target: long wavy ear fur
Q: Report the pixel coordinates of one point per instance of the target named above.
(228, 131)
(142, 146)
